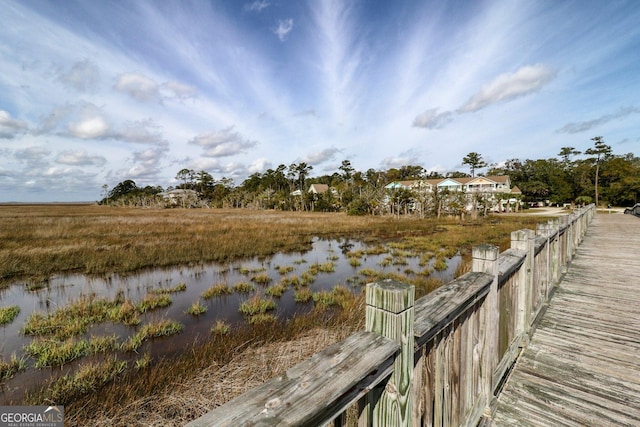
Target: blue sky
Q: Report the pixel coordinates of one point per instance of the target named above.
(97, 92)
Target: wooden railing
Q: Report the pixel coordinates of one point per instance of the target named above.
(437, 361)
(634, 210)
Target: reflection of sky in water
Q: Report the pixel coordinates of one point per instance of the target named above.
(63, 290)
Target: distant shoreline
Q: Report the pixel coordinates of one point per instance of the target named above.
(45, 203)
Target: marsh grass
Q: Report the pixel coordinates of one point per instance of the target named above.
(88, 378)
(220, 328)
(284, 269)
(8, 314)
(152, 330)
(51, 353)
(197, 308)
(153, 301)
(276, 290)
(180, 287)
(261, 279)
(244, 287)
(256, 305)
(39, 241)
(13, 366)
(303, 295)
(217, 290)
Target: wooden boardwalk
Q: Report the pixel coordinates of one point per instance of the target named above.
(582, 366)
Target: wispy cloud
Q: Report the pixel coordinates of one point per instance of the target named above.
(257, 6)
(138, 86)
(83, 76)
(409, 157)
(431, 119)
(508, 86)
(223, 143)
(283, 29)
(578, 127)
(10, 127)
(79, 158)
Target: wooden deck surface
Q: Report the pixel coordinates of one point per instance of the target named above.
(582, 366)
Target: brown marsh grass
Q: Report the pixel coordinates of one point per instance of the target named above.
(39, 241)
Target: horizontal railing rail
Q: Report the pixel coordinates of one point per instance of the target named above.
(634, 210)
(437, 361)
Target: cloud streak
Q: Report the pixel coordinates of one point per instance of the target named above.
(509, 86)
(586, 125)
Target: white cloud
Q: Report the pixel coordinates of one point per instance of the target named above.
(138, 86)
(284, 28)
(79, 158)
(321, 156)
(223, 143)
(89, 128)
(259, 165)
(256, 6)
(508, 86)
(83, 76)
(10, 127)
(431, 119)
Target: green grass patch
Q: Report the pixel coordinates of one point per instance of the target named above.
(261, 279)
(217, 290)
(153, 301)
(89, 378)
(51, 353)
(244, 287)
(284, 269)
(180, 287)
(8, 314)
(220, 328)
(276, 290)
(256, 305)
(197, 308)
(303, 295)
(152, 330)
(12, 367)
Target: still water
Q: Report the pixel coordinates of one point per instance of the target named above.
(65, 289)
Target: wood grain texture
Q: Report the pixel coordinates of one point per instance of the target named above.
(312, 391)
(582, 366)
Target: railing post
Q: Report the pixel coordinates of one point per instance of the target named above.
(485, 260)
(390, 313)
(553, 227)
(524, 240)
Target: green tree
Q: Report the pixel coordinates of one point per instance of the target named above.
(475, 161)
(600, 151)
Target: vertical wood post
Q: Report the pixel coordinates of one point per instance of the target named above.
(524, 240)
(543, 230)
(554, 229)
(563, 223)
(389, 312)
(485, 260)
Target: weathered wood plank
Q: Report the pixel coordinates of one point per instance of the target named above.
(582, 366)
(440, 307)
(361, 361)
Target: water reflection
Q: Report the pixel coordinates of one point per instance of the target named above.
(348, 258)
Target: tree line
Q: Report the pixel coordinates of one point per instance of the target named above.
(597, 175)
